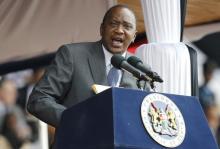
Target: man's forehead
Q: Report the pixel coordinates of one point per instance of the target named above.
(124, 20)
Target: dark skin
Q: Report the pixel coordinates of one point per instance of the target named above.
(118, 30)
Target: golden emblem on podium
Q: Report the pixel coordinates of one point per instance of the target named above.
(163, 120)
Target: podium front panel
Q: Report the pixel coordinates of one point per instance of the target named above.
(112, 120)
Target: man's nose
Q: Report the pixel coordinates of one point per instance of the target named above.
(119, 29)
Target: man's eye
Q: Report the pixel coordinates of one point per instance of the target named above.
(128, 27)
(114, 24)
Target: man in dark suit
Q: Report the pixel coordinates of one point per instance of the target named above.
(76, 67)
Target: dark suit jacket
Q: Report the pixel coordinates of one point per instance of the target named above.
(68, 80)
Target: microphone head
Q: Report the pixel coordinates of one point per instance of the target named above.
(133, 60)
(116, 61)
(157, 78)
(136, 62)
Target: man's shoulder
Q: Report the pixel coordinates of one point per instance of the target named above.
(81, 46)
(129, 53)
(79, 50)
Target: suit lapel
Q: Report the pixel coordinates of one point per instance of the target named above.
(98, 69)
(128, 81)
(97, 64)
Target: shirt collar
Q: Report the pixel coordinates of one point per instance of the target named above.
(109, 55)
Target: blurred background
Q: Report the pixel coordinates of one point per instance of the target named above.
(32, 30)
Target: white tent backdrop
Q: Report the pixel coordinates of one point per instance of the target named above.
(33, 27)
(164, 52)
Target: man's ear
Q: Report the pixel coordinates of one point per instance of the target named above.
(134, 36)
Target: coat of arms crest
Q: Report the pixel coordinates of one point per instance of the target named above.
(163, 120)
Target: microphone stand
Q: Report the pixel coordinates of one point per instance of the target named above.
(141, 83)
(152, 85)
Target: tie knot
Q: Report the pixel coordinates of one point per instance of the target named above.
(113, 76)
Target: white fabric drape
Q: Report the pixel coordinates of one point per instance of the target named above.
(162, 19)
(164, 52)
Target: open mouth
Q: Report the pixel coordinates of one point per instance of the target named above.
(117, 42)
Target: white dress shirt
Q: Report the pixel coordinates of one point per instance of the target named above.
(108, 64)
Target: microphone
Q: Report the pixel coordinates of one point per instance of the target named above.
(137, 63)
(120, 62)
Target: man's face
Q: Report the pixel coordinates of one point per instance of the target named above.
(118, 30)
